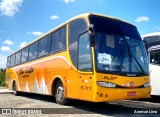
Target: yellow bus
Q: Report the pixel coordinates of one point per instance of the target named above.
(91, 57)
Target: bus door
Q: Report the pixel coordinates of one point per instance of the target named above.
(80, 81)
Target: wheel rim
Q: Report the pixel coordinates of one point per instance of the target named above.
(60, 94)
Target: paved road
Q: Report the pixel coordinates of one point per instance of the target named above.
(40, 105)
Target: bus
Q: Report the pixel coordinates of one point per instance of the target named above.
(152, 45)
(90, 57)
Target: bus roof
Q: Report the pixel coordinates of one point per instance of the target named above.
(151, 34)
(151, 40)
(76, 17)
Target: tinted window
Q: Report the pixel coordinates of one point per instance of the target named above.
(33, 49)
(116, 54)
(18, 57)
(12, 60)
(155, 57)
(58, 40)
(113, 26)
(76, 28)
(24, 55)
(8, 61)
(44, 46)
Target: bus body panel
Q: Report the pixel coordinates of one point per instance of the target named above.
(119, 94)
(79, 85)
(155, 77)
(37, 77)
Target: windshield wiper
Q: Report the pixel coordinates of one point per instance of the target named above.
(131, 55)
(121, 57)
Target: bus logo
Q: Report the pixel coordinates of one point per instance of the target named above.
(131, 84)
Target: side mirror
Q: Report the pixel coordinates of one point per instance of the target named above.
(91, 28)
(91, 32)
(91, 38)
(91, 35)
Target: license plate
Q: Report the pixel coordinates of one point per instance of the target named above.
(131, 93)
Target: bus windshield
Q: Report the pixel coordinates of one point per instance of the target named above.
(118, 48)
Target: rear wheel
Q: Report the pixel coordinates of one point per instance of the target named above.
(15, 92)
(59, 94)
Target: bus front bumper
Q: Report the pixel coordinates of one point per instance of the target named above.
(110, 94)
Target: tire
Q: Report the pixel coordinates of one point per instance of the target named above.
(15, 92)
(59, 94)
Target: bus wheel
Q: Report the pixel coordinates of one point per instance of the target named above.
(59, 94)
(15, 92)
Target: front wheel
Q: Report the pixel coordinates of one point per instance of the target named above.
(59, 94)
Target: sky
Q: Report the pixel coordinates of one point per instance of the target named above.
(22, 21)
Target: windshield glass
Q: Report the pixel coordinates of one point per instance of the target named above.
(118, 48)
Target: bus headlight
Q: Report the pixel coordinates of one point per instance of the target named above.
(147, 84)
(106, 84)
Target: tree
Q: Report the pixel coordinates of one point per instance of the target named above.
(2, 77)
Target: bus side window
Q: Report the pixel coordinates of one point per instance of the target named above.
(155, 57)
(76, 27)
(8, 62)
(33, 50)
(18, 58)
(58, 40)
(44, 46)
(12, 60)
(24, 57)
(62, 39)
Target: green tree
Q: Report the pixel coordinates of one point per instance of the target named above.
(2, 77)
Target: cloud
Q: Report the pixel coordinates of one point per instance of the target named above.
(35, 33)
(68, 1)
(53, 17)
(5, 48)
(8, 42)
(3, 60)
(142, 19)
(10, 7)
(23, 44)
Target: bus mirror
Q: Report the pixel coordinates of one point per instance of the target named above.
(91, 34)
(91, 38)
(91, 28)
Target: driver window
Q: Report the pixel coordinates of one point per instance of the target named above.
(84, 57)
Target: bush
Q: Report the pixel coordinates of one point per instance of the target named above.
(2, 77)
